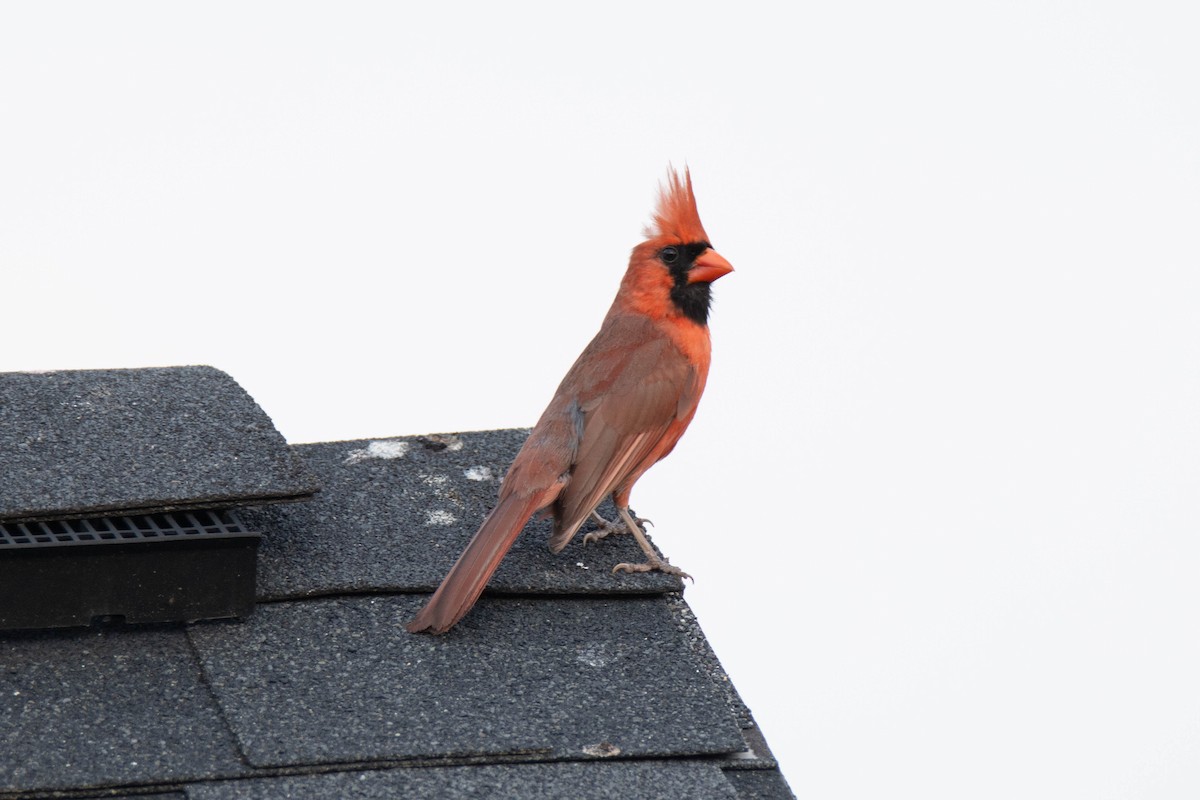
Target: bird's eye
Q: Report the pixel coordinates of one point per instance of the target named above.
(668, 255)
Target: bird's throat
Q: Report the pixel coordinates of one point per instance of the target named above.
(692, 299)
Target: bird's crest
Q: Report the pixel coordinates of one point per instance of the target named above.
(676, 217)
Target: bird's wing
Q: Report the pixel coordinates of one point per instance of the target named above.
(636, 388)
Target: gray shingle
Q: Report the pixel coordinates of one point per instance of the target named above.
(88, 709)
(610, 781)
(759, 784)
(142, 440)
(340, 681)
(388, 501)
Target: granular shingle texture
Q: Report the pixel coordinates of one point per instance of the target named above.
(86, 708)
(394, 514)
(759, 784)
(653, 780)
(138, 441)
(570, 675)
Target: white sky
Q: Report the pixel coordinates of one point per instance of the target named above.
(940, 497)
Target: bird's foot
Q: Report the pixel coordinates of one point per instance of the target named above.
(654, 565)
(654, 562)
(607, 528)
(604, 530)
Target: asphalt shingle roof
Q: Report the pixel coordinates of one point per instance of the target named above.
(650, 779)
(82, 709)
(394, 514)
(566, 677)
(137, 441)
(565, 681)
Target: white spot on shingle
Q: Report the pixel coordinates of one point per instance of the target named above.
(387, 449)
(383, 448)
(581, 565)
(440, 484)
(480, 473)
(592, 655)
(439, 517)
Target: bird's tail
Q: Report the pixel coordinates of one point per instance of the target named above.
(466, 579)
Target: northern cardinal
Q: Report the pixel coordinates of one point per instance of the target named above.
(622, 406)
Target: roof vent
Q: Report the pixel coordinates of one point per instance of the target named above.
(116, 495)
(177, 567)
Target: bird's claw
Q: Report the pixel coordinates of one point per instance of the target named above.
(603, 532)
(653, 566)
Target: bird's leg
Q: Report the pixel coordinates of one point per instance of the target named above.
(609, 528)
(653, 563)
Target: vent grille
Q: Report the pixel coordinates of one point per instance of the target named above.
(94, 530)
(171, 567)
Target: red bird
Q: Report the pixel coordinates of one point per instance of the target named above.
(622, 406)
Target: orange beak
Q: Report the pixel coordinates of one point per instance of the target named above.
(708, 267)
